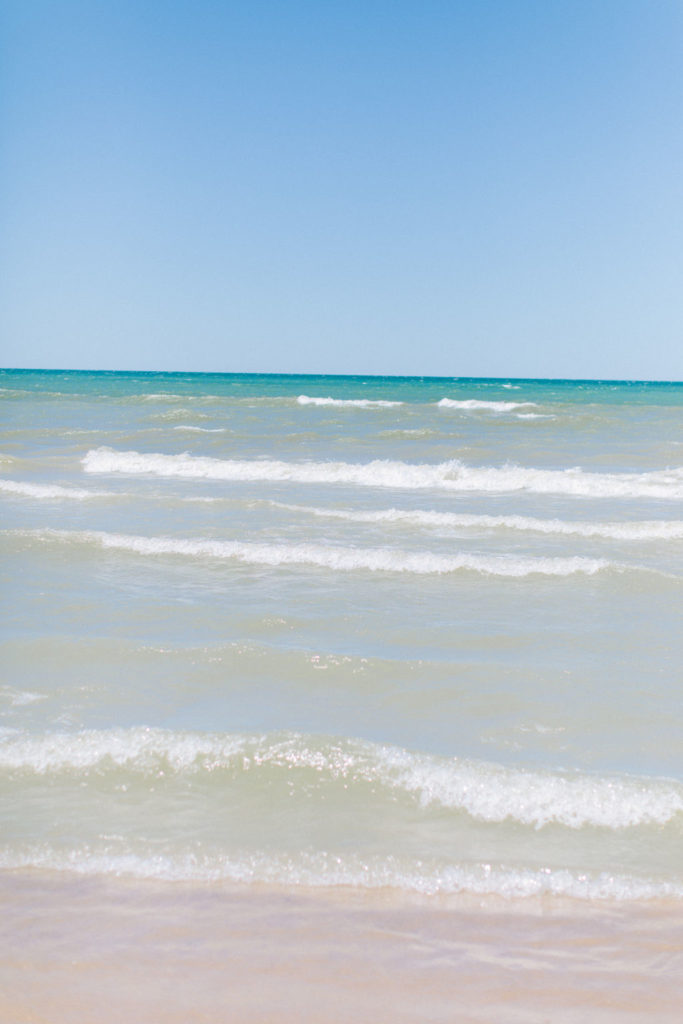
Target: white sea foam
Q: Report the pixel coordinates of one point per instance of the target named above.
(337, 558)
(644, 530)
(362, 403)
(49, 491)
(493, 793)
(138, 749)
(486, 791)
(164, 396)
(413, 433)
(451, 476)
(200, 430)
(179, 413)
(475, 403)
(321, 870)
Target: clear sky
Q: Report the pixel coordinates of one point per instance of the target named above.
(467, 187)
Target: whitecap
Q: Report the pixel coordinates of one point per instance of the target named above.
(341, 559)
(311, 869)
(362, 403)
(657, 529)
(475, 404)
(486, 791)
(199, 430)
(451, 476)
(49, 492)
(164, 396)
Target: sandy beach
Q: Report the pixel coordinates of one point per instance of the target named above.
(94, 951)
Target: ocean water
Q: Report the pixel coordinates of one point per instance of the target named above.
(406, 632)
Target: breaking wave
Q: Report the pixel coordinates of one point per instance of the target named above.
(475, 403)
(453, 475)
(200, 430)
(344, 559)
(361, 403)
(50, 491)
(161, 396)
(644, 530)
(485, 791)
(322, 870)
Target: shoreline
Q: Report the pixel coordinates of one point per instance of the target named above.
(96, 949)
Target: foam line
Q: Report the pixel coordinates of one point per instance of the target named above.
(344, 559)
(644, 530)
(361, 403)
(471, 404)
(484, 790)
(49, 491)
(453, 476)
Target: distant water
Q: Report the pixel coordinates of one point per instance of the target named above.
(410, 632)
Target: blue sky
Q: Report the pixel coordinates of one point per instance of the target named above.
(489, 187)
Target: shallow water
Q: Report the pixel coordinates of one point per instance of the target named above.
(76, 950)
(415, 633)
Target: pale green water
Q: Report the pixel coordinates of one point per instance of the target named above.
(322, 630)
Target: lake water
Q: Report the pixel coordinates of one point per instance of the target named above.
(414, 633)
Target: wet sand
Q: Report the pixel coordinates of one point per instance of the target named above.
(94, 951)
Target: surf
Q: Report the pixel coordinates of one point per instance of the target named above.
(343, 559)
(453, 475)
(426, 519)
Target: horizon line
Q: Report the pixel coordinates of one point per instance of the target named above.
(378, 376)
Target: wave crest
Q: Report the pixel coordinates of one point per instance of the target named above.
(49, 491)
(485, 791)
(658, 529)
(323, 870)
(336, 558)
(451, 476)
(361, 403)
(471, 404)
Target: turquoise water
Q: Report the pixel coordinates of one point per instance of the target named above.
(415, 632)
